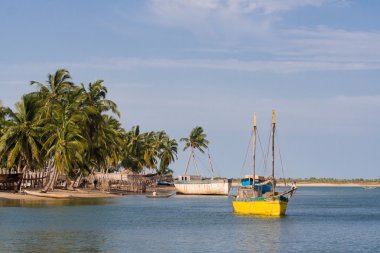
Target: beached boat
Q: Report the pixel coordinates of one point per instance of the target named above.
(196, 185)
(164, 183)
(49, 195)
(155, 195)
(251, 199)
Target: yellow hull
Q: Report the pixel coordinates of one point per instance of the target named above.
(266, 207)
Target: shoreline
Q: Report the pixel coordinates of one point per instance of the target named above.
(77, 194)
(331, 185)
(92, 194)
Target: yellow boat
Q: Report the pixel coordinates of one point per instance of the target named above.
(265, 206)
(251, 200)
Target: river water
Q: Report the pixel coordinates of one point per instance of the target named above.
(317, 220)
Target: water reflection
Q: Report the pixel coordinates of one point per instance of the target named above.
(55, 202)
(259, 234)
(337, 223)
(56, 241)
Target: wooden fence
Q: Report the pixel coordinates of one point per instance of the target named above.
(31, 180)
(122, 182)
(35, 180)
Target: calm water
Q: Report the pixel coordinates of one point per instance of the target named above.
(318, 220)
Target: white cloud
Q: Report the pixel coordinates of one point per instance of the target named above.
(225, 21)
(172, 7)
(252, 27)
(331, 44)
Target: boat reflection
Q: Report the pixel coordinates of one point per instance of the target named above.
(265, 239)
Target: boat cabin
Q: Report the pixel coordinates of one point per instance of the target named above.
(189, 177)
(261, 185)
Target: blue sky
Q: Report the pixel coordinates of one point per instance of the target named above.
(175, 64)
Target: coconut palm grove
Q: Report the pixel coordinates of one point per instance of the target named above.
(74, 130)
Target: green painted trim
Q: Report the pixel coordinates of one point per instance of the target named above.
(281, 198)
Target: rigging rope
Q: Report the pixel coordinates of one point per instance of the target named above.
(282, 165)
(268, 151)
(262, 152)
(246, 155)
(212, 164)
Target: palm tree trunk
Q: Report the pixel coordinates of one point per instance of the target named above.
(51, 181)
(70, 183)
(22, 179)
(55, 180)
(75, 182)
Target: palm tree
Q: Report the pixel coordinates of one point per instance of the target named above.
(134, 150)
(95, 97)
(154, 143)
(196, 141)
(95, 104)
(168, 154)
(52, 94)
(20, 141)
(2, 117)
(114, 136)
(64, 143)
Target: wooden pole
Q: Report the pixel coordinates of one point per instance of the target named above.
(273, 133)
(254, 151)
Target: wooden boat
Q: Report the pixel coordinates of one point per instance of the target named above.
(253, 201)
(164, 183)
(49, 195)
(196, 185)
(369, 187)
(155, 196)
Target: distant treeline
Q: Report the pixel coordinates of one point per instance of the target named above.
(330, 180)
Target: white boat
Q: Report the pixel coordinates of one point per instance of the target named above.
(195, 185)
(369, 187)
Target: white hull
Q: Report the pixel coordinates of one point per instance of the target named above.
(203, 187)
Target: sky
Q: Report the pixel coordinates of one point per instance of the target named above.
(175, 64)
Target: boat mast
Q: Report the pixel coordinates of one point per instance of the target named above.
(273, 133)
(254, 151)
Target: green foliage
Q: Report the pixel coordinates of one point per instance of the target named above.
(21, 134)
(75, 129)
(197, 140)
(144, 150)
